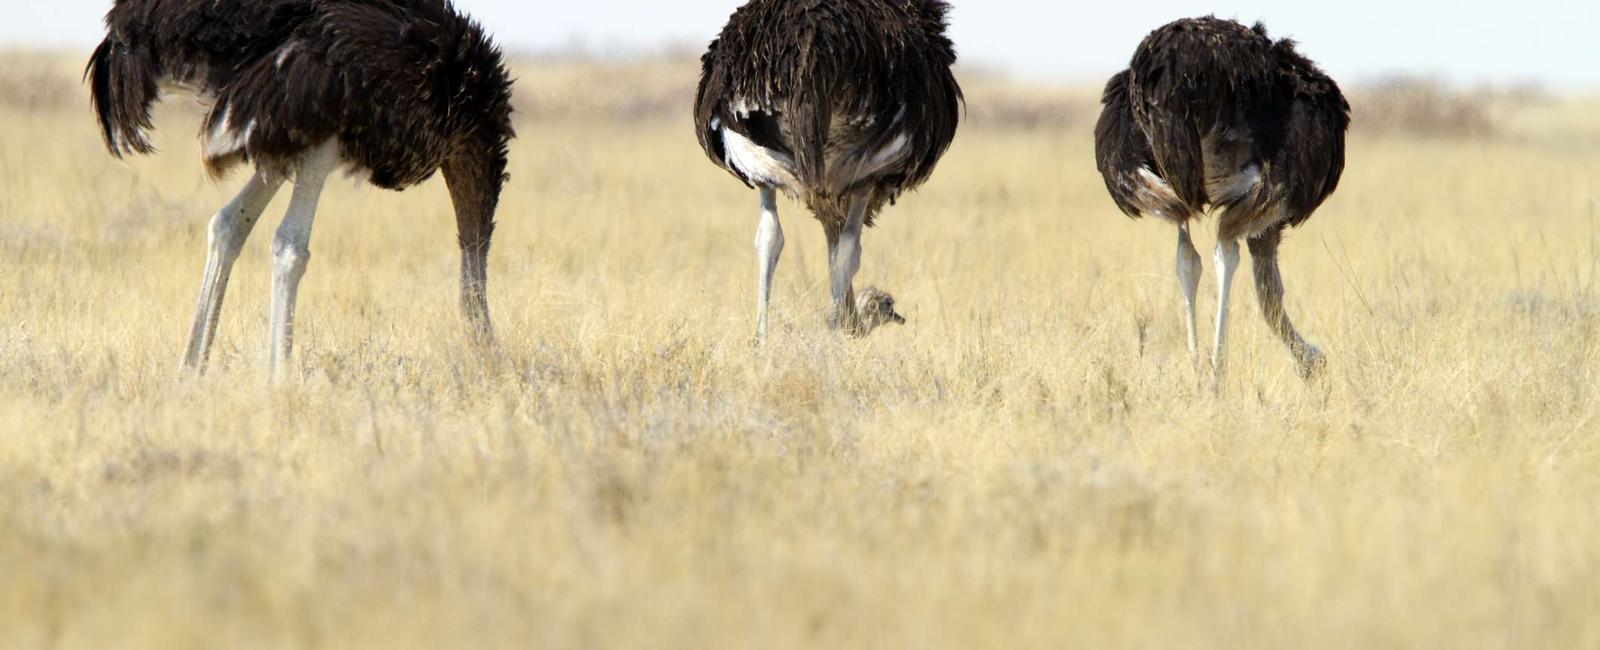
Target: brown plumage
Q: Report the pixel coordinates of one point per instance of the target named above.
(401, 84)
(1214, 115)
(392, 89)
(841, 104)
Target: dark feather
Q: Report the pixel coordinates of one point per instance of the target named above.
(1203, 104)
(828, 84)
(122, 87)
(403, 85)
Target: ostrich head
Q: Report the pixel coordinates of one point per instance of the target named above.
(875, 307)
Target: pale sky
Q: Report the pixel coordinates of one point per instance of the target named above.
(1555, 42)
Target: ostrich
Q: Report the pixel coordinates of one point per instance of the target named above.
(840, 104)
(391, 90)
(1213, 114)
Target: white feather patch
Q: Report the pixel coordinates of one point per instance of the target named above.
(284, 52)
(761, 165)
(224, 139)
(888, 154)
(1237, 186)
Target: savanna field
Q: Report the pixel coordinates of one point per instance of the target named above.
(1031, 462)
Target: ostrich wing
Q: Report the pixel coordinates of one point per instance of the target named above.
(1311, 160)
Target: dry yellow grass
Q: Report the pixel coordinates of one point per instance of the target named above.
(1029, 463)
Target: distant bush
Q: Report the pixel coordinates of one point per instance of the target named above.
(1009, 106)
(1414, 106)
(591, 88)
(33, 85)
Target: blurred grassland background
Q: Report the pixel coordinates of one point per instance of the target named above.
(1031, 462)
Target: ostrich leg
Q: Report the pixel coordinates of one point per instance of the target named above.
(1269, 292)
(1227, 257)
(228, 231)
(844, 260)
(291, 249)
(769, 245)
(1189, 282)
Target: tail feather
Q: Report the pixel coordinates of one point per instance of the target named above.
(1176, 146)
(123, 85)
(810, 113)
